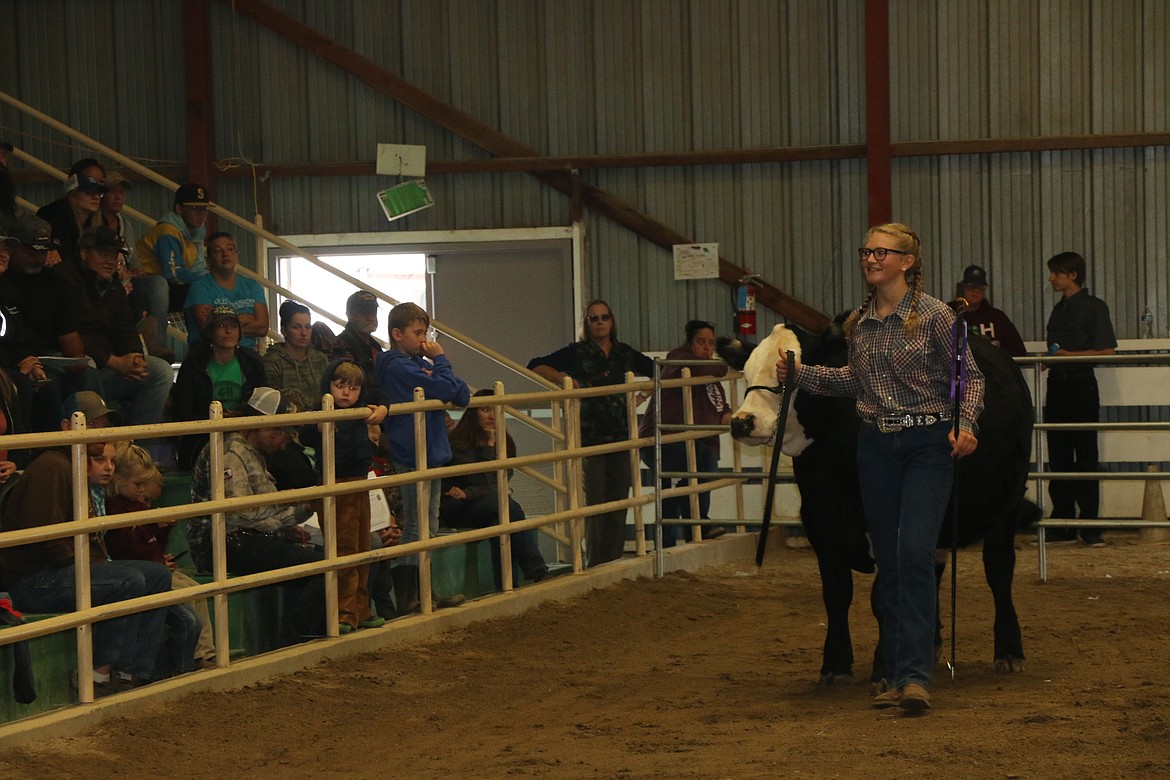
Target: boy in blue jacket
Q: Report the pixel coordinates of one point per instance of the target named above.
(415, 361)
(343, 379)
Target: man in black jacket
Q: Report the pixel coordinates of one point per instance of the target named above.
(140, 383)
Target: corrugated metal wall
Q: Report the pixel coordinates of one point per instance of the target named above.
(623, 76)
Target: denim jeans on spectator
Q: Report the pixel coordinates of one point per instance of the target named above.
(182, 637)
(47, 398)
(905, 485)
(152, 294)
(129, 643)
(483, 512)
(141, 402)
(410, 519)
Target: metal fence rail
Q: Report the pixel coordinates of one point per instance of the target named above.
(1042, 476)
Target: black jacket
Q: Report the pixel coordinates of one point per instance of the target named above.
(353, 448)
(192, 394)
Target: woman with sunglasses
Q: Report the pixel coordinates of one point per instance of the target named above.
(901, 357)
(596, 359)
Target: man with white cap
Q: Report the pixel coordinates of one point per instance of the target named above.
(265, 537)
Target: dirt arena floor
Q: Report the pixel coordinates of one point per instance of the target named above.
(704, 675)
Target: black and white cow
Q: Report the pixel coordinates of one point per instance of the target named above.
(821, 437)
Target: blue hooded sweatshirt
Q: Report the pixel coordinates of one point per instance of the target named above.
(398, 374)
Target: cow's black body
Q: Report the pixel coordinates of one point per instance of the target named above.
(990, 483)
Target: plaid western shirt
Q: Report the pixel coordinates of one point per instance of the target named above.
(889, 373)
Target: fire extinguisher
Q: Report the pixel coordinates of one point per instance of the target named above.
(743, 297)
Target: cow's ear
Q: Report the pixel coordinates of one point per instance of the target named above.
(733, 351)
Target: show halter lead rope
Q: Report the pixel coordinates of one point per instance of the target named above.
(781, 422)
(958, 387)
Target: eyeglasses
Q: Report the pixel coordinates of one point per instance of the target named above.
(599, 317)
(879, 253)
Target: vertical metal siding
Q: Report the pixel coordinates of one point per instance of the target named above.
(617, 77)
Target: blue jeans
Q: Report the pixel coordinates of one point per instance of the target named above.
(152, 294)
(482, 513)
(410, 518)
(141, 402)
(182, 637)
(905, 485)
(129, 643)
(674, 458)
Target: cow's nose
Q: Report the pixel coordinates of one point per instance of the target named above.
(742, 426)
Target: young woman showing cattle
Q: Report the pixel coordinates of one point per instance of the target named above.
(899, 369)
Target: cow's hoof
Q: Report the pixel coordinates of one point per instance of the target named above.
(836, 678)
(1010, 665)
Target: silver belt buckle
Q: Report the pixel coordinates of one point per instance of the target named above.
(892, 423)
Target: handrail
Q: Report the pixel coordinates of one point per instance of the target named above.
(267, 235)
(566, 456)
(1039, 364)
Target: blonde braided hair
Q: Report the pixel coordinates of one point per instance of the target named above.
(908, 242)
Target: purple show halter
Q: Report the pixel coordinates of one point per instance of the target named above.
(959, 369)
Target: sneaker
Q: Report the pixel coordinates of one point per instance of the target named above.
(890, 698)
(914, 697)
(373, 621)
(1092, 539)
(444, 602)
(344, 628)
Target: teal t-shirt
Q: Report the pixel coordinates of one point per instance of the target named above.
(227, 384)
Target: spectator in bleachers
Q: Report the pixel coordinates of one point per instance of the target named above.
(295, 364)
(265, 537)
(473, 500)
(10, 423)
(23, 371)
(41, 576)
(136, 484)
(78, 210)
(117, 191)
(172, 253)
(353, 452)
(139, 383)
(416, 361)
(139, 286)
(710, 407)
(223, 286)
(9, 211)
(40, 301)
(217, 369)
(361, 320)
(598, 359)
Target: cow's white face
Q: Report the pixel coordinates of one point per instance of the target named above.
(754, 422)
